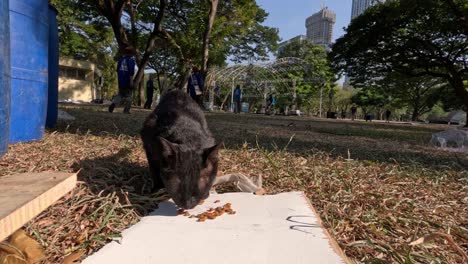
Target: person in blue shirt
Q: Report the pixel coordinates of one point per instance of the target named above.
(237, 97)
(271, 102)
(195, 86)
(125, 72)
(149, 94)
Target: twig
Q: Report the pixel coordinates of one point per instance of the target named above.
(243, 183)
(433, 236)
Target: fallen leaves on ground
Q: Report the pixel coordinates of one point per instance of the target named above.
(390, 192)
(19, 248)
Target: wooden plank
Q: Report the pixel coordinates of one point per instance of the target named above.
(24, 196)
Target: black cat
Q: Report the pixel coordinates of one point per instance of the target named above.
(181, 151)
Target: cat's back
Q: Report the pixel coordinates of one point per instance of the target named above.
(180, 119)
(176, 104)
(177, 100)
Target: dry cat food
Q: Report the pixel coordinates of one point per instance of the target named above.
(211, 213)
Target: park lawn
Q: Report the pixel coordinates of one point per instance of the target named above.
(377, 186)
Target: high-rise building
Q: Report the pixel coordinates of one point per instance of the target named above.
(359, 6)
(320, 27)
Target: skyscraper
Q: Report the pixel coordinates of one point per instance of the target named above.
(359, 6)
(320, 27)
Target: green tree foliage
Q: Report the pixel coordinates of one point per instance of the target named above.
(311, 76)
(169, 35)
(416, 38)
(343, 99)
(83, 38)
(418, 94)
(370, 100)
(237, 34)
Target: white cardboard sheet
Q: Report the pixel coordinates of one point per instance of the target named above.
(265, 229)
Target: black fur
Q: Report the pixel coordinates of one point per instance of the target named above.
(181, 151)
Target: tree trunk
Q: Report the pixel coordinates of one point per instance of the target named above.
(415, 115)
(295, 105)
(182, 80)
(159, 82)
(113, 12)
(415, 104)
(206, 36)
(150, 45)
(134, 40)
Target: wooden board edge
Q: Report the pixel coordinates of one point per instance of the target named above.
(334, 245)
(33, 208)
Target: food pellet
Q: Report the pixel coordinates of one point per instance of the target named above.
(211, 213)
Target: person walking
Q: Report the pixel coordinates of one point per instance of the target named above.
(271, 102)
(195, 86)
(388, 113)
(149, 94)
(125, 72)
(353, 112)
(343, 114)
(237, 97)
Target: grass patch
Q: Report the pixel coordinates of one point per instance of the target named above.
(395, 189)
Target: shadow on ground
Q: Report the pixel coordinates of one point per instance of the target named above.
(118, 173)
(377, 142)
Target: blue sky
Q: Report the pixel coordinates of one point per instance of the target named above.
(289, 16)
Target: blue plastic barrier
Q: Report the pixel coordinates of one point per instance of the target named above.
(4, 76)
(29, 35)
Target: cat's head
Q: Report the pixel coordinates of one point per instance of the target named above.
(188, 174)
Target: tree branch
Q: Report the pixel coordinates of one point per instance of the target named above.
(459, 14)
(206, 35)
(150, 45)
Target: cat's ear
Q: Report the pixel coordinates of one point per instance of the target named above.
(167, 151)
(210, 155)
(210, 168)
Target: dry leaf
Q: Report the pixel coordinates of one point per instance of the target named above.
(73, 258)
(422, 240)
(11, 259)
(447, 237)
(20, 248)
